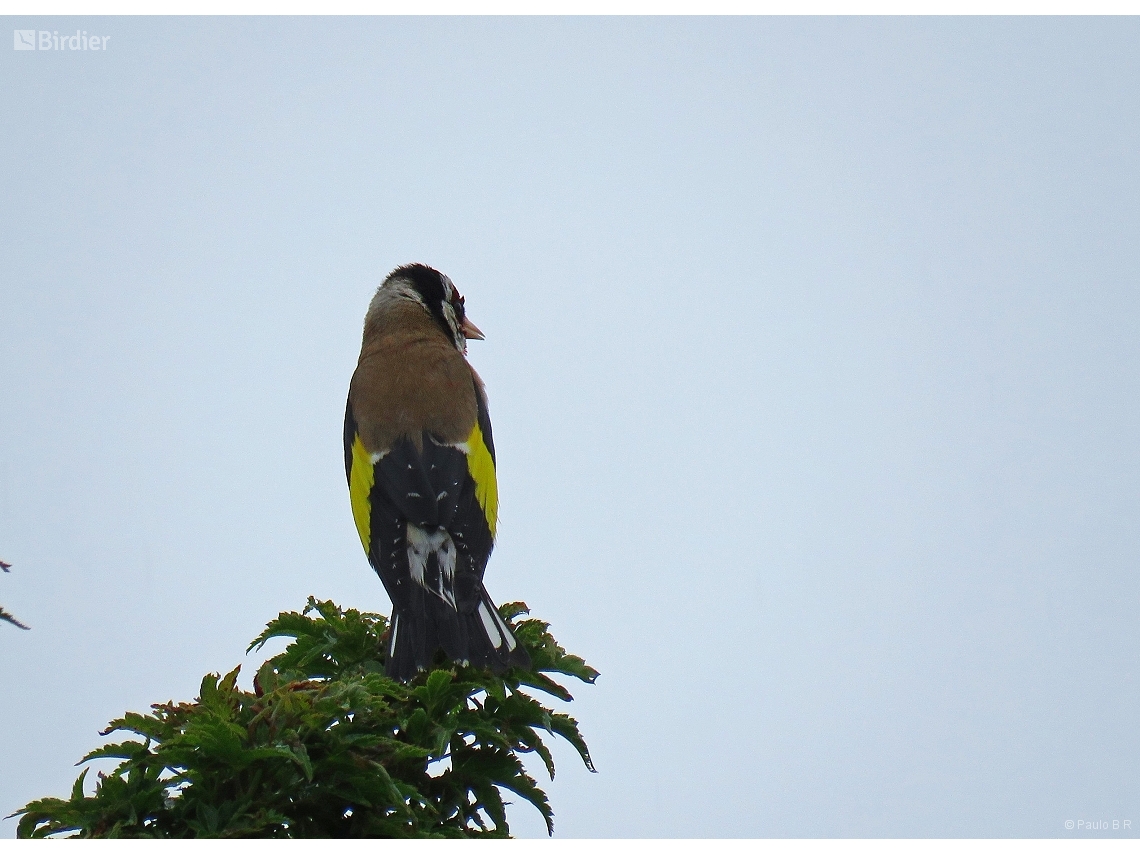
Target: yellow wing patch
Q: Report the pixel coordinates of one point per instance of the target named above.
(482, 469)
(360, 481)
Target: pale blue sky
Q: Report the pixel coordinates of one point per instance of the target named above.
(812, 360)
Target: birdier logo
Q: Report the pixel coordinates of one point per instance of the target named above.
(52, 40)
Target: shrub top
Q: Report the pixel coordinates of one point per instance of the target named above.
(327, 746)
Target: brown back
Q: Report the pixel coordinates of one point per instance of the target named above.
(410, 378)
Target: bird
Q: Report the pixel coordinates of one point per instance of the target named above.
(420, 462)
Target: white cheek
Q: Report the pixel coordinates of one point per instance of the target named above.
(453, 323)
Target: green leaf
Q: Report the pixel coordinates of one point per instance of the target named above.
(128, 750)
(545, 684)
(301, 756)
(286, 624)
(435, 692)
(567, 728)
(228, 682)
(328, 746)
(208, 691)
(510, 611)
(151, 727)
(535, 743)
(77, 787)
(10, 618)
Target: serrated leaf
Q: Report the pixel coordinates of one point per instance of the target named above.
(208, 691)
(10, 618)
(144, 725)
(545, 684)
(229, 681)
(301, 755)
(534, 742)
(434, 691)
(327, 746)
(525, 786)
(567, 728)
(126, 750)
(286, 624)
(510, 611)
(492, 803)
(77, 787)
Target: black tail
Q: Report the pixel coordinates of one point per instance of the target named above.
(480, 637)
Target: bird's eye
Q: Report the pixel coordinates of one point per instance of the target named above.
(457, 306)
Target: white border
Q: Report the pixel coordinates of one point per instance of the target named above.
(568, 7)
(1098, 846)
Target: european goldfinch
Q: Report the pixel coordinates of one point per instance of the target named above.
(420, 463)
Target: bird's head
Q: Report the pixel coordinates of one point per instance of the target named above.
(436, 293)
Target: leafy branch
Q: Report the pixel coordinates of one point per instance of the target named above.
(4, 615)
(327, 746)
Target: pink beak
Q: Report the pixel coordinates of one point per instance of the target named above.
(471, 331)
